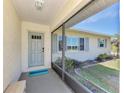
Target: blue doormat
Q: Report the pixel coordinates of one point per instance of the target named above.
(38, 72)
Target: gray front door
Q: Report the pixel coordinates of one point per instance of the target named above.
(35, 50)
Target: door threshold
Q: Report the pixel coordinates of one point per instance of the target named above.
(36, 68)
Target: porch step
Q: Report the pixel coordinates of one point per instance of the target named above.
(38, 72)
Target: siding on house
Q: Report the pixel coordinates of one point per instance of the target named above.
(91, 49)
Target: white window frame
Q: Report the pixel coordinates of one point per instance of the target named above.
(104, 44)
(74, 37)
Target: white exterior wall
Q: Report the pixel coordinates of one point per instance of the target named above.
(93, 51)
(32, 27)
(11, 45)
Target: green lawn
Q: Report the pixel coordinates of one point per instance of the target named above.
(115, 64)
(105, 75)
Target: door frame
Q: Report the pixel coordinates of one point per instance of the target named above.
(29, 49)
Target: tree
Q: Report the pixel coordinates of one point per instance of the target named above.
(116, 42)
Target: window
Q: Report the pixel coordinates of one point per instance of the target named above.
(72, 43)
(102, 42)
(80, 32)
(36, 37)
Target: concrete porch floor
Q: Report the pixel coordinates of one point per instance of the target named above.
(49, 83)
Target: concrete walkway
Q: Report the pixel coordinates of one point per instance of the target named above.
(49, 83)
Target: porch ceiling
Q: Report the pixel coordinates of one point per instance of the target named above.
(27, 11)
(55, 12)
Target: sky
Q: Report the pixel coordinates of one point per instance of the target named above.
(106, 21)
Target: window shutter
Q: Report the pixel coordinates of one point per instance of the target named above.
(81, 44)
(98, 42)
(86, 44)
(105, 43)
(60, 43)
(54, 43)
(65, 42)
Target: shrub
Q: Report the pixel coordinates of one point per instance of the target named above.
(102, 57)
(70, 64)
